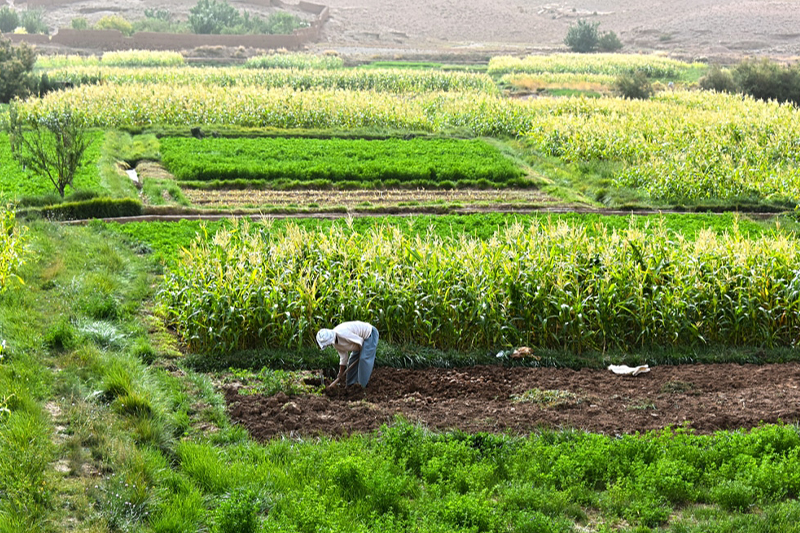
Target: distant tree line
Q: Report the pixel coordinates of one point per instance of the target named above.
(760, 78)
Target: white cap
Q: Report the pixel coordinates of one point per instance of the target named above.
(325, 337)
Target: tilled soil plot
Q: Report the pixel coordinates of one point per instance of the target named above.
(488, 398)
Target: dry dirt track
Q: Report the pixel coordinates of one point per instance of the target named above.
(705, 397)
(715, 29)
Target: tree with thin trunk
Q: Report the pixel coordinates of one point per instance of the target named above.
(52, 145)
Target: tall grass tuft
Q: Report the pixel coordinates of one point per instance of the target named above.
(550, 285)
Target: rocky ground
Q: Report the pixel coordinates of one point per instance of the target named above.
(692, 29)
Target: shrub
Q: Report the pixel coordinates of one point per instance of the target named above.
(96, 208)
(16, 65)
(582, 37)
(765, 80)
(115, 22)
(210, 16)
(9, 19)
(238, 513)
(633, 86)
(33, 22)
(718, 79)
(609, 42)
(282, 23)
(79, 23)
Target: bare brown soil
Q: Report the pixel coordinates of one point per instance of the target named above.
(706, 398)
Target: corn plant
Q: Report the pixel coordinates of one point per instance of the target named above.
(295, 61)
(12, 239)
(545, 286)
(609, 64)
(380, 80)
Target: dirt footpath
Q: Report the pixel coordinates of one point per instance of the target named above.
(487, 398)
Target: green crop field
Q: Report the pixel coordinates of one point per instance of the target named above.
(336, 160)
(549, 286)
(163, 377)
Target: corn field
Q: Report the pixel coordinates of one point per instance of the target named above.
(677, 146)
(384, 80)
(295, 61)
(546, 286)
(126, 58)
(608, 64)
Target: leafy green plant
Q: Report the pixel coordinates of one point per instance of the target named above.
(718, 79)
(422, 290)
(582, 36)
(52, 147)
(609, 42)
(9, 19)
(338, 160)
(16, 65)
(115, 22)
(633, 86)
(238, 512)
(33, 21)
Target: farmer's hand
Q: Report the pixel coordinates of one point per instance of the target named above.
(342, 377)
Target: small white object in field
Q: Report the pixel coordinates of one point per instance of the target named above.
(629, 370)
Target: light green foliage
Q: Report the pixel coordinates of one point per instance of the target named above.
(141, 58)
(115, 22)
(213, 16)
(633, 86)
(12, 247)
(336, 160)
(384, 80)
(582, 36)
(295, 61)
(166, 239)
(33, 21)
(9, 19)
(609, 64)
(678, 146)
(549, 286)
(270, 382)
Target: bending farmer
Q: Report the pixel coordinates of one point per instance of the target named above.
(355, 341)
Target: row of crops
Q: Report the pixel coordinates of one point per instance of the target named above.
(550, 285)
(391, 162)
(678, 146)
(609, 64)
(394, 81)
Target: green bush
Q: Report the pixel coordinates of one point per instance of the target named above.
(765, 80)
(16, 66)
(95, 208)
(33, 21)
(582, 37)
(633, 86)
(609, 42)
(79, 23)
(718, 79)
(9, 19)
(282, 23)
(115, 22)
(210, 16)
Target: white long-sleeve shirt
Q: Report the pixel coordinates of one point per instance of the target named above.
(350, 336)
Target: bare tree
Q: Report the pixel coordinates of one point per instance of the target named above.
(52, 145)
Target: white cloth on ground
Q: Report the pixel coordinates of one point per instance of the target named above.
(628, 370)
